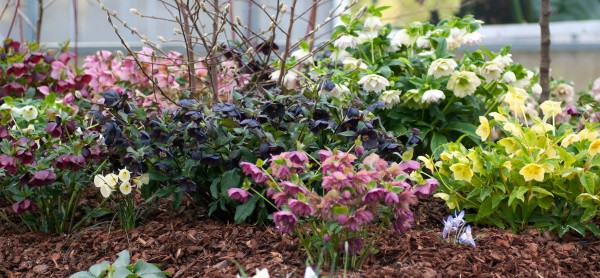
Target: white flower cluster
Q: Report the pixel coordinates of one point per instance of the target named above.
(108, 183)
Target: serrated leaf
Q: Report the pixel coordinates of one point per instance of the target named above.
(244, 210)
(589, 213)
(587, 180)
(518, 193)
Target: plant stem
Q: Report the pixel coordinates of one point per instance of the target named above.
(545, 50)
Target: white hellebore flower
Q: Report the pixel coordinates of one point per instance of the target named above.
(456, 38)
(524, 82)
(28, 129)
(372, 24)
(303, 55)
(124, 175)
(509, 77)
(105, 188)
(339, 91)
(491, 70)
(505, 60)
(564, 92)
(463, 83)
(423, 42)
(260, 273)
(400, 38)
(472, 39)
(339, 55)
(536, 89)
(442, 67)
(125, 188)
(373, 83)
(29, 113)
(289, 80)
(346, 41)
(353, 63)
(432, 96)
(390, 98)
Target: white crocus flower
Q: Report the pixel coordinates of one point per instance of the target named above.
(463, 83)
(29, 113)
(509, 77)
(373, 83)
(390, 98)
(441, 67)
(346, 41)
(303, 56)
(125, 188)
(491, 70)
(472, 39)
(373, 24)
(432, 96)
(124, 175)
(353, 63)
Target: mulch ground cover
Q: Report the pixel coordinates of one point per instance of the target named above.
(189, 244)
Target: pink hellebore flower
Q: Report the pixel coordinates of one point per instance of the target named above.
(256, 173)
(374, 195)
(22, 206)
(43, 177)
(355, 245)
(426, 189)
(292, 189)
(285, 221)
(410, 166)
(238, 194)
(301, 208)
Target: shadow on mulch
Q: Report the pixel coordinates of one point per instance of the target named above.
(189, 244)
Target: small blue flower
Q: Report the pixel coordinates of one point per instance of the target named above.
(448, 226)
(467, 237)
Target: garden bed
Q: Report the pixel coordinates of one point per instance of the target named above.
(188, 244)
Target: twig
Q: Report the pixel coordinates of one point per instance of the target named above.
(287, 44)
(545, 50)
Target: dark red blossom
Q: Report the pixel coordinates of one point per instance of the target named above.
(70, 162)
(8, 164)
(25, 156)
(4, 132)
(16, 69)
(54, 129)
(13, 89)
(33, 58)
(355, 245)
(22, 206)
(42, 178)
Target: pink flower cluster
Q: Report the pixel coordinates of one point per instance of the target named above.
(354, 191)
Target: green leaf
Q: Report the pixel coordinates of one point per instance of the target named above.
(83, 274)
(214, 188)
(123, 259)
(157, 175)
(50, 100)
(464, 128)
(542, 191)
(518, 193)
(485, 209)
(145, 269)
(244, 210)
(230, 179)
(589, 213)
(437, 140)
(97, 269)
(122, 271)
(407, 155)
(587, 180)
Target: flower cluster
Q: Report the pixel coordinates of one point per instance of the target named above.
(456, 225)
(109, 182)
(354, 194)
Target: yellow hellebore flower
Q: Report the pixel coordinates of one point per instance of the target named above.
(550, 108)
(570, 139)
(542, 128)
(513, 129)
(446, 156)
(484, 128)
(533, 171)
(499, 117)
(509, 144)
(507, 165)
(477, 165)
(588, 134)
(461, 171)
(594, 147)
(427, 162)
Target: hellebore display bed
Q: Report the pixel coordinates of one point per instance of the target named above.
(188, 244)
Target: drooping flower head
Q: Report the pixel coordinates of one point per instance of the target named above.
(463, 83)
(373, 83)
(533, 171)
(285, 221)
(238, 194)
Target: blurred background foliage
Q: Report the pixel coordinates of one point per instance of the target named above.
(490, 11)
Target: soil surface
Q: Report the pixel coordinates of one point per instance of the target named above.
(189, 244)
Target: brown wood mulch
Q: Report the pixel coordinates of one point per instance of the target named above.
(191, 245)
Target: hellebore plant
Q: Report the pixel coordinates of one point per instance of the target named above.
(455, 230)
(124, 201)
(537, 172)
(331, 203)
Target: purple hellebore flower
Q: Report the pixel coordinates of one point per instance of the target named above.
(571, 110)
(23, 206)
(238, 194)
(325, 154)
(43, 177)
(256, 173)
(301, 208)
(285, 221)
(374, 195)
(410, 166)
(297, 158)
(352, 224)
(391, 198)
(403, 221)
(363, 216)
(280, 198)
(426, 189)
(359, 150)
(467, 237)
(355, 245)
(292, 189)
